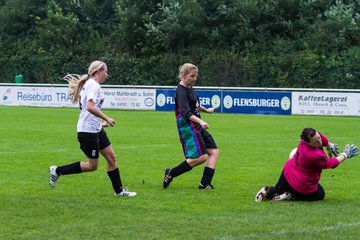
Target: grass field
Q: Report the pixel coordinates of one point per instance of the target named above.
(253, 149)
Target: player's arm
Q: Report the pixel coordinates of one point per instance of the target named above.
(349, 152)
(183, 104)
(96, 112)
(207, 110)
(341, 158)
(185, 111)
(203, 124)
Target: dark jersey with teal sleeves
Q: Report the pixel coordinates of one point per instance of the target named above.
(187, 104)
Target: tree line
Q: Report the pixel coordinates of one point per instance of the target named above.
(241, 43)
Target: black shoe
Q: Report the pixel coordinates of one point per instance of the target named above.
(167, 178)
(209, 186)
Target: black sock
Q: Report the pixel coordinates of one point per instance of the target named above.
(114, 176)
(207, 176)
(271, 192)
(180, 169)
(71, 168)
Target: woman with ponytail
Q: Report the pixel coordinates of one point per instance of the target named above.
(92, 137)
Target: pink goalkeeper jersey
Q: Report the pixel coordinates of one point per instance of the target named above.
(303, 170)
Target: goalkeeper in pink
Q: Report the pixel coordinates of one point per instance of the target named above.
(301, 174)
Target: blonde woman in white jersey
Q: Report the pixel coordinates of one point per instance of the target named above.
(91, 135)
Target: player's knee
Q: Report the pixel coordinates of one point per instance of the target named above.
(215, 152)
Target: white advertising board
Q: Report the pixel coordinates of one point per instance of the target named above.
(326, 103)
(35, 96)
(115, 98)
(128, 98)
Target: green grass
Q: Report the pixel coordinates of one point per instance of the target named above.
(253, 149)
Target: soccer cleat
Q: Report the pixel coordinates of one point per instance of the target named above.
(53, 176)
(125, 193)
(260, 196)
(208, 186)
(167, 178)
(282, 197)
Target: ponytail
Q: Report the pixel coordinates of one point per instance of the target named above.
(76, 83)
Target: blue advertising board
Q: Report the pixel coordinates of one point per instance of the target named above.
(278, 103)
(165, 99)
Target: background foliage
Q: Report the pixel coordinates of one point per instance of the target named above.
(252, 43)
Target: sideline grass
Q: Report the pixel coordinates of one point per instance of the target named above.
(253, 149)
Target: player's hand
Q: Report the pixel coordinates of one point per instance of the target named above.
(204, 125)
(111, 122)
(350, 151)
(332, 148)
(211, 110)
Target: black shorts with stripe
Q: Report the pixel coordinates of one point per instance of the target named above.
(195, 146)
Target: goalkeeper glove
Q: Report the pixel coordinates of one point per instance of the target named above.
(332, 149)
(350, 151)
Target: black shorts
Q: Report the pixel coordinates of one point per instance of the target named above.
(195, 145)
(92, 143)
(208, 139)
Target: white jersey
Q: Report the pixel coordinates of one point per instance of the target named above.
(88, 122)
